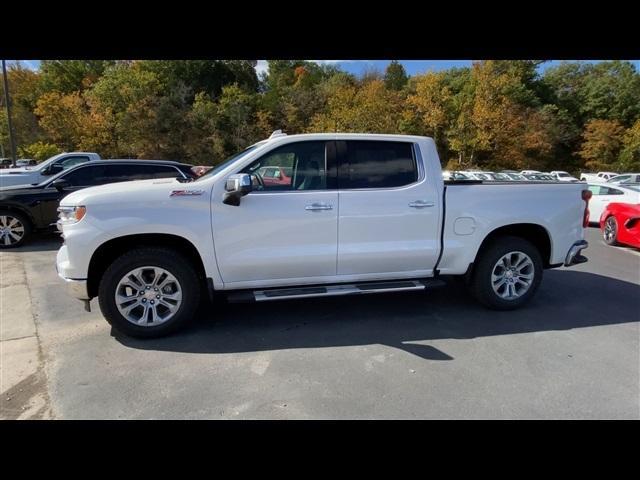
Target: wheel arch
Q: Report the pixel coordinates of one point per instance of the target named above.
(110, 250)
(22, 211)
(532, 232)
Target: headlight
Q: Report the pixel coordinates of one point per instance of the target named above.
(70, 215)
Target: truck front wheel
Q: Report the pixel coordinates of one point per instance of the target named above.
(149, 292)
(507, 273)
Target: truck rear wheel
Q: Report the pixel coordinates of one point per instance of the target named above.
(507, 273)
(149, 292)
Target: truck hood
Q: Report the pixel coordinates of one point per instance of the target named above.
(133, 191)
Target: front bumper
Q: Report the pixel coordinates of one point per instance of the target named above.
(77, 288)
(574, 256)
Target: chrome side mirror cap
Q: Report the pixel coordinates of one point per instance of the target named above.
(236, 186)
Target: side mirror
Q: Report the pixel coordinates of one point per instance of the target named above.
(60, 184)
(53, 169)
(236, 186)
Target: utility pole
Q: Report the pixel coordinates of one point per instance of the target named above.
(6, 101)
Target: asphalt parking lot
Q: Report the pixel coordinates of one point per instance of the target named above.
(573, 352)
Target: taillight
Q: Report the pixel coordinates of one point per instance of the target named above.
(586, 196)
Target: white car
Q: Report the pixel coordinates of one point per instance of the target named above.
(562, 176)
(625, 178)
(32, 175)
(605, 193)
(361, 214)
(529, 172)
(597, 177)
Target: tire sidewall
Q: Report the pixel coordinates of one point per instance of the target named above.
(169, 260)
(482, 285)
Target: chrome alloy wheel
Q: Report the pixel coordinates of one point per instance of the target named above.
(610, 229)
(148, 296)
(11, 230)
(512, 275)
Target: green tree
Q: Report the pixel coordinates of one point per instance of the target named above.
(395, 76)
(39, 151)
(68, 76)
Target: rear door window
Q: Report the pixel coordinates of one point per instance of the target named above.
(375, 164)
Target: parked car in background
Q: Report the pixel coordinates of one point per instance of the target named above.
(548, 177)
(514, 175)
(502, 177)
(365, 214)
(26, 162)
(529, 172)
(620, 224)
(535, 177)
(480, 175)
(44, 170)
(597, 177)
(603, 194)
(625, 178)
(457, 176)
(28, 208)
(5, 163)
(562, 176)
(275, 175)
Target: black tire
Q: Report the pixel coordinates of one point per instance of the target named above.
(167, 259)
(612, 238)
(9, 216)
(481, 279)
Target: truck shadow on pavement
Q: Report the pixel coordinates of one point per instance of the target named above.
(566, 300)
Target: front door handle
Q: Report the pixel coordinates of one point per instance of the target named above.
(421, 204)
(319, 206)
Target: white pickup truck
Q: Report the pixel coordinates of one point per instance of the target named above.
(39, 173)
(339, 214)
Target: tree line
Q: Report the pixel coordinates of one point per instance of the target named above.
(493, 115)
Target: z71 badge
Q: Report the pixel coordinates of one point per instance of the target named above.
(184, 193)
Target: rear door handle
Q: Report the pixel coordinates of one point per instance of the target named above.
(421, 204)
(319, 206)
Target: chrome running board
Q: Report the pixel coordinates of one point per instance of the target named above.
(333, 290)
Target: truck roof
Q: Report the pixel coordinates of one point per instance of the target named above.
(351, 136)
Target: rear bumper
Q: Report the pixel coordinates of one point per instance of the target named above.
(574, 256)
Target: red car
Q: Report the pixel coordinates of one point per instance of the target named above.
(620, 223)
(275, 176)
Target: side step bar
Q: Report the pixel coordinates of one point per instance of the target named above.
(344, 289)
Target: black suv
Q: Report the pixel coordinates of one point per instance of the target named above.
(27, 208)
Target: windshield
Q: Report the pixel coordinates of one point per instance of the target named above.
(563, 174)
(46, 162)
(228, 162)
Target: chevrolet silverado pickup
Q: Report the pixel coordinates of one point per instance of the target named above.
(359, 214)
